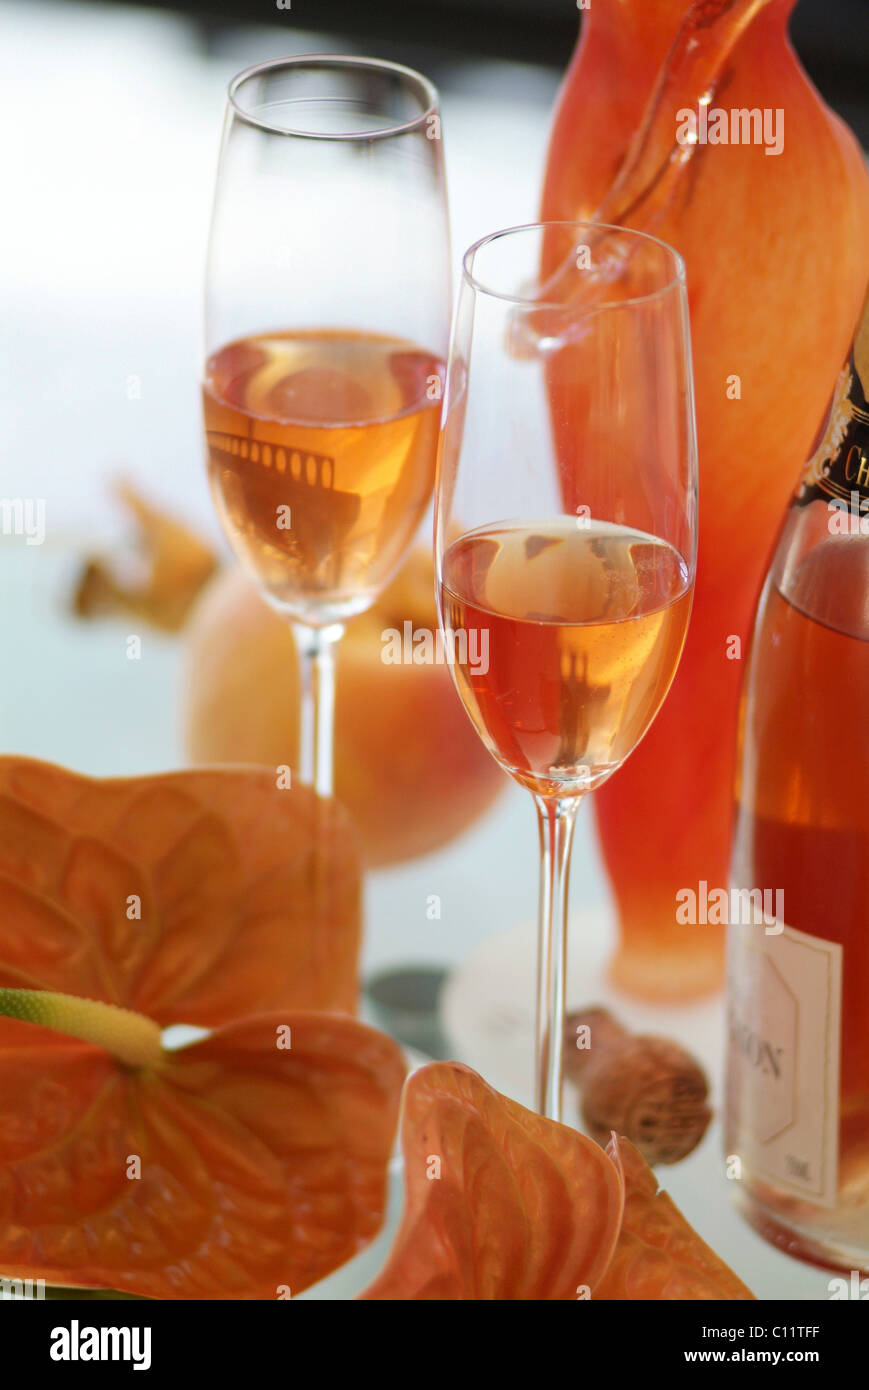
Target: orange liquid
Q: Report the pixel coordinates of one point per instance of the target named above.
(582, 630)
(321, 455)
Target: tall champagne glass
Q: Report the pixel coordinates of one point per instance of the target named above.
(327, 319)
(566, 526)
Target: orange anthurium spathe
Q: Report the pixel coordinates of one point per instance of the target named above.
(247, 1165)
(658, 1255)
(191, 897)
(504, 1204)
(500, 1203)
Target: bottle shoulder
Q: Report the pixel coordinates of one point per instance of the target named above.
(821, 566)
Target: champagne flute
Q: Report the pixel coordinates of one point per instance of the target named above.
(327, 320)
(566, 527)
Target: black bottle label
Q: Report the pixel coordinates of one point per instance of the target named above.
(838, 471)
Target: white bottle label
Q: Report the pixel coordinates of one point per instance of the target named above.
(784, 1017)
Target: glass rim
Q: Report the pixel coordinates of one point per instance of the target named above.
(335, 60)
(677, 281)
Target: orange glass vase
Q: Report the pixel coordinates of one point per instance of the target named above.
(777, 253)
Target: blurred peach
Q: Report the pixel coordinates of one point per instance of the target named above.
(408, 765)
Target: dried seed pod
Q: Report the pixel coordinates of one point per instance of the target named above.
(647, 1088)
(161, 590)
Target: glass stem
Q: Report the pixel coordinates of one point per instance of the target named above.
(556, 819)
(316, 648)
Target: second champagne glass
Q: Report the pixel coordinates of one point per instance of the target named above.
(566, 527)
(327, 317)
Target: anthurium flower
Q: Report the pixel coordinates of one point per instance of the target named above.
(247, 1165)
(503, 1204)
(499, 1202)
(658, 1255)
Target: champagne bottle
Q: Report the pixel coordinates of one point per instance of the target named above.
(798, 957)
